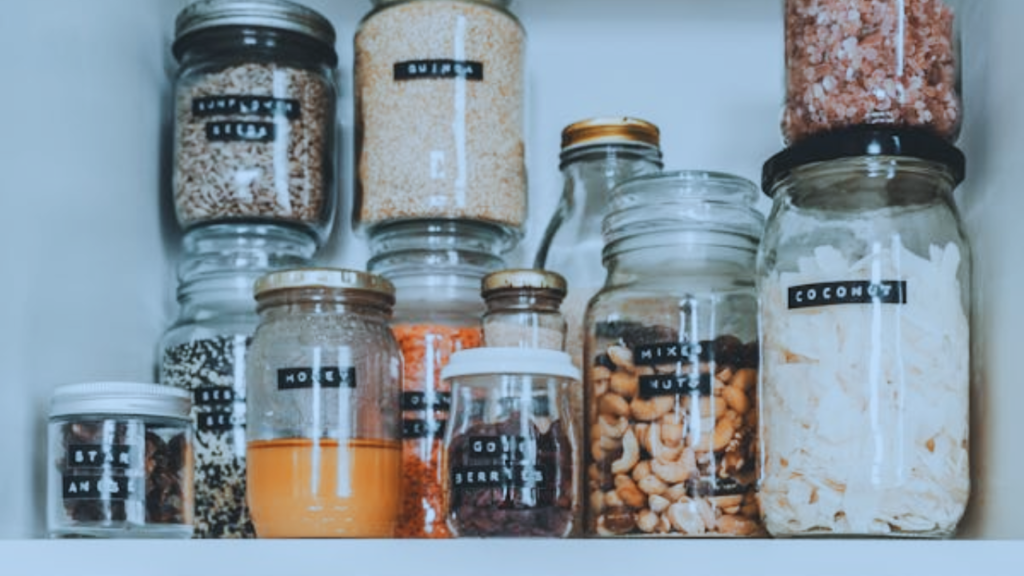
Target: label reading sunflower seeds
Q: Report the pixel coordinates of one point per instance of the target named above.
(242, 105)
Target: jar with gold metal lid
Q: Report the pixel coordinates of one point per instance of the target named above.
(523, 309)
(324, 375)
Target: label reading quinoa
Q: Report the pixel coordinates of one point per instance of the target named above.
(666, 353)
(418, 401)
(305, 378)
(424, 69)
(93, 487)
(416, 429)
(674, 385)
(848, 292)
(241, 105)
(241, 131)
(94, 456)
(478, 477)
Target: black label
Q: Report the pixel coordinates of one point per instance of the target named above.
(422, 69)
(213, 396)
(539, 405)
(850, 292)
(221, 420)
(240, 131)
(94, 456)
(241, 105)
(94, 487)
(504, 447)
(674, 385)
(667, 353)
(477, 477)
(418, 402)
(413, 429)
(304, 378)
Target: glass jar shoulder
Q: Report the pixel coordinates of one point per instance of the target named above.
(244, 71)
(191, 330)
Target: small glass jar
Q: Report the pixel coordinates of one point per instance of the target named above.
(436, 268)
(597, 154)
(439, 99)
(204, 351)
(324, 375)
(889, 63)
(255, 120)
(864, 278)
(671, 375)
(522, 310)
(120, 462)
(510, 454)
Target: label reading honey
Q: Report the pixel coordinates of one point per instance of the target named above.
(307, 378)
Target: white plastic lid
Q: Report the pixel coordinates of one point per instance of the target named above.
(493, 361)
(120, 398)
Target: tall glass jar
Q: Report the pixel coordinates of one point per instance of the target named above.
(864, 285)
(439, 99)
(255, 120)
(203, 352)
(523, 310)
(892, 63)
(671, 350)
(324, 375)
(436, 268)
(597, 154)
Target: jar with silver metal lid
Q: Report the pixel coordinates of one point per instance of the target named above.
(119, 462)
(255, 115)
(523, 309)
(324, 374)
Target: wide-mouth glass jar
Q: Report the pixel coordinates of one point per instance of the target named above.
(255, 115)
(120, 462)
(324, 375)
(864, 282)
(671, 361)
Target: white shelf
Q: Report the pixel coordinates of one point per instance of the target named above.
(525, 558)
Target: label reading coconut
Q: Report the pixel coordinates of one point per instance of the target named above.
(426, 69)
(241, 131)
(667, 353)
(307, 378)
(477, 477)
(848, 292)
(242, 105)
(417, 429)
(95, 456)
(94, 487)
(420, 402)
(674, 385)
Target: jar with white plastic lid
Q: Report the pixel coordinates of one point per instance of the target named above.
(119, 463)
(863, 278)
(523, 309)
(510, 456)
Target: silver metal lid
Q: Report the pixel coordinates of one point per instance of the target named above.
(332, 278)
(127, 398)
(523, 280)
(280, 14)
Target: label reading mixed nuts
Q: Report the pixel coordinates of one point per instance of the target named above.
(666, 353)
(424, 69)
(242, 105)
(95, 487)
(848, 292)
(674, 385)
(307, 378)
(476, 477)
(94, 456)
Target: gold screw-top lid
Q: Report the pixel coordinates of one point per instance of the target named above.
(334, 278)
(617, 130)
(523, 279)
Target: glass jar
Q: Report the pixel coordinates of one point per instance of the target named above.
(671, 375)
(510, 453)
(522, 310)
(436, 268)
(439, 95)
(893, 63)
(596, 155)
(324, 376)
(255, 120)
(864, 285)
(119, 464)
(203, 352)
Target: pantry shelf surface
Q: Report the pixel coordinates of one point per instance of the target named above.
(539, 557)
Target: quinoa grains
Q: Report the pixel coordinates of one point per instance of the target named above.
(439, 113)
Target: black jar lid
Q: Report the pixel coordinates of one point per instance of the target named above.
(859, 142)
(276, 14)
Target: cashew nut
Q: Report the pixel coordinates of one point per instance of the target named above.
(727, 504)
(677, 471)
(625, 384)
(659, 450)
(744, 379)
(618, 521)
(630, 454)
(664, 526)
(599, 373)
(706, 512)
(609, 444)
(594, 473)
(647, 521)
(672, 433)
(736, 399)
(628, 491)
(596, 451)
(724, 431)
(685, 519)
(614, 405)
(642, 470)
(658, 504)
(651, 410)
(612, 427)
(613, 500)
(750, 509)
(731, 464)
(652, 485)
(723, 376)
(596, 502)
(676, 492)
(737, 525)
(621, 357)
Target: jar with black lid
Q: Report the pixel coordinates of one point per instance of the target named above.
(255, 115)
(864, 283)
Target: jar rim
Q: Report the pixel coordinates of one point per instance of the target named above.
(120, 398)
(326, 278)
(523, 279)
(510, 361)
(610, 130)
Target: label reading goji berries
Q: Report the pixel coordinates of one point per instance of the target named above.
(477, 477)
(506, 448)
(306, 378)
(434, 69)
(848, 292)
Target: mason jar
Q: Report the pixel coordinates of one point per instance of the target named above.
(523, 309)
(672, 361)
(510, 452)
(864, 284)
(890, 63)
(324, 424)
(255, 123)
(439, 100)
(203, 352)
